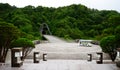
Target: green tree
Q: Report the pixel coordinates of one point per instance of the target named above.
(114, 20)
(25, 44)
(108, 45)
(108, 31)
(76, 33)
(92, 33)
(8, 33)
(117, 34)
(92, 23)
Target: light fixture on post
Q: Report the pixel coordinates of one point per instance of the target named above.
(100, 58)
(44, 57)
(89, 57)
(36, 57)
(16, 57)
(118, 58)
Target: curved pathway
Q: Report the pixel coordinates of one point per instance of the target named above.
(54, 39)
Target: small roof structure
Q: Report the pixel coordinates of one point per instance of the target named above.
(85, 40)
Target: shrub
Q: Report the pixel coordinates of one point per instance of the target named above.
(8, 33)
(26, 45)
(108, 45)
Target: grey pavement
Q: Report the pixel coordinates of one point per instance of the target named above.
(54, 39)
(62, 55)
(62, 65)
(57, 48)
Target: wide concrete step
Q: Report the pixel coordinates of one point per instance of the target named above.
(61, 65)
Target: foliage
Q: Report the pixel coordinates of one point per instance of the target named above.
(8, 33)
(74, 21)
(108, 45)
(22, 42)
(69, 22)
(117, 34)
(26, 45)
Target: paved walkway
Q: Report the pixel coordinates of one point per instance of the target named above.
(70, 56)
(66, 51)
(62, 65)
(54, 39)
(57, 48)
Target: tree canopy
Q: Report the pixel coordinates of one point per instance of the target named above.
(8, 33)
(108, 45)
(69, 22)
(74, 21)
(26, 45)
(22, 42)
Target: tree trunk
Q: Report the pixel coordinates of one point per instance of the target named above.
(26, 51)
(113, 55)
(3, 55)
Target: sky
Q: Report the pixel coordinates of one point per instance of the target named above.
(96, 4)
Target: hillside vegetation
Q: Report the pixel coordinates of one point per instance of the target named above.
(69, 22)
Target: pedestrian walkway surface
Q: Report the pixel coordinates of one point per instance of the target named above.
(57, 48)
(62, 56)
(62, 65)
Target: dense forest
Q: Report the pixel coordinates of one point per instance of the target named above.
(69, 22)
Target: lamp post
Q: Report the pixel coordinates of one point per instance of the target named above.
(44, 57)
(16, 57)
(100, 58)
(118, 57)
(36, 57)
(89, 57)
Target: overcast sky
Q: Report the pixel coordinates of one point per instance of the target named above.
(97, 4)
